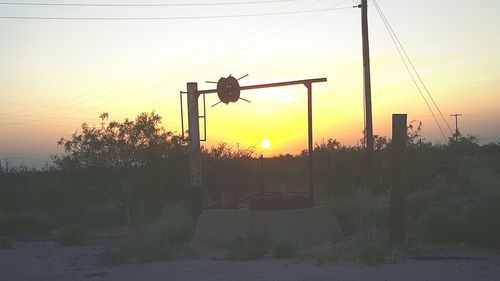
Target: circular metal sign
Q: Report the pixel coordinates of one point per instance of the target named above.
(228, 89)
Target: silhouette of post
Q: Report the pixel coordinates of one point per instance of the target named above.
(457, 132)
(398, 213)
(261, 158)
(194, 150)
(310, 147)
(367, 94)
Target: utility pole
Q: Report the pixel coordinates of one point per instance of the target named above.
(367, 93)
(194, 150)
(457, 133)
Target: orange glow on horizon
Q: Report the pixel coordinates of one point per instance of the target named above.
(81, 69)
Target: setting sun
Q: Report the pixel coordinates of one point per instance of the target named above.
(265, 143)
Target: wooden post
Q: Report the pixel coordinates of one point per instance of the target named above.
(398, 186)
(194, 150)
(261, 158)
(310, 144)
(367, 96)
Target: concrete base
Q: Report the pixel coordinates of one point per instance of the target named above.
(304, 227)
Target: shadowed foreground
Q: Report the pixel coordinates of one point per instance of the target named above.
(43, 261)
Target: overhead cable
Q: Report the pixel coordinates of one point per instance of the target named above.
(171, 18)
(141, 4)
(400, 49)
(90, 95)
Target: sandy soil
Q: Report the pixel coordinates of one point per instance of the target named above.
(45, 261)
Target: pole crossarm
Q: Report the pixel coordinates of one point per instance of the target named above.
(271, 85)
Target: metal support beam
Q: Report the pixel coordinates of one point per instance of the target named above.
(310, 144)
(271, 85)
(194, 149)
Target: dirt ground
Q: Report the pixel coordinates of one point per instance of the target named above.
(42, 261)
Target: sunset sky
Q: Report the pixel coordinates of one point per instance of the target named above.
(57, 74)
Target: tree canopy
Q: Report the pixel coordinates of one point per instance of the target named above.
(133, 143)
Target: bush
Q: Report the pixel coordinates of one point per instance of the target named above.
(73, 234)
(5, 242)
(362, 211)
(243, 250)
(482, 222)
(175, 224)
(161, 240)
(475, 222)
(284, 249)
(22, 225)
(440, 224)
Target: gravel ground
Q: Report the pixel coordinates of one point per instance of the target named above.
(44, 261)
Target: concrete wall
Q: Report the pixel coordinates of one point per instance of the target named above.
(304, 227)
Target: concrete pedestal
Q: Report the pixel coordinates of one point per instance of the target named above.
(304, 227)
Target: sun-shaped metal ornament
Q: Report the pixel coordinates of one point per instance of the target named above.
(228, 89)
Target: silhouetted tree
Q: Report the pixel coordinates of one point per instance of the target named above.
(131, 163)
(133, 143)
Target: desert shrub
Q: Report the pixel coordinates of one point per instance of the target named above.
(482, 222)
(284, 249)
(22, 225)
(440, 224)
(361, 211)
(457, 220)
(102, 217)
(73, 234)
(418, 202)
(173, 229)
(161, 240)
(372, 253)
(175, 223)
(6, 242)
(243, 250)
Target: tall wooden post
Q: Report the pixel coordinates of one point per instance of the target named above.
(367, 94)
(398, 186)
(310, 144)
(194, 150)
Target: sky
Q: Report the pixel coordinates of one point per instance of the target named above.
(57, 74)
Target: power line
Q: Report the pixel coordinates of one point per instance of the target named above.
(117, 86)
(50, 107)
(398, 46)
(408, 69)
(143, 4)
(44, 108)
(215, 61)
(171, 18)
(412, 66)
